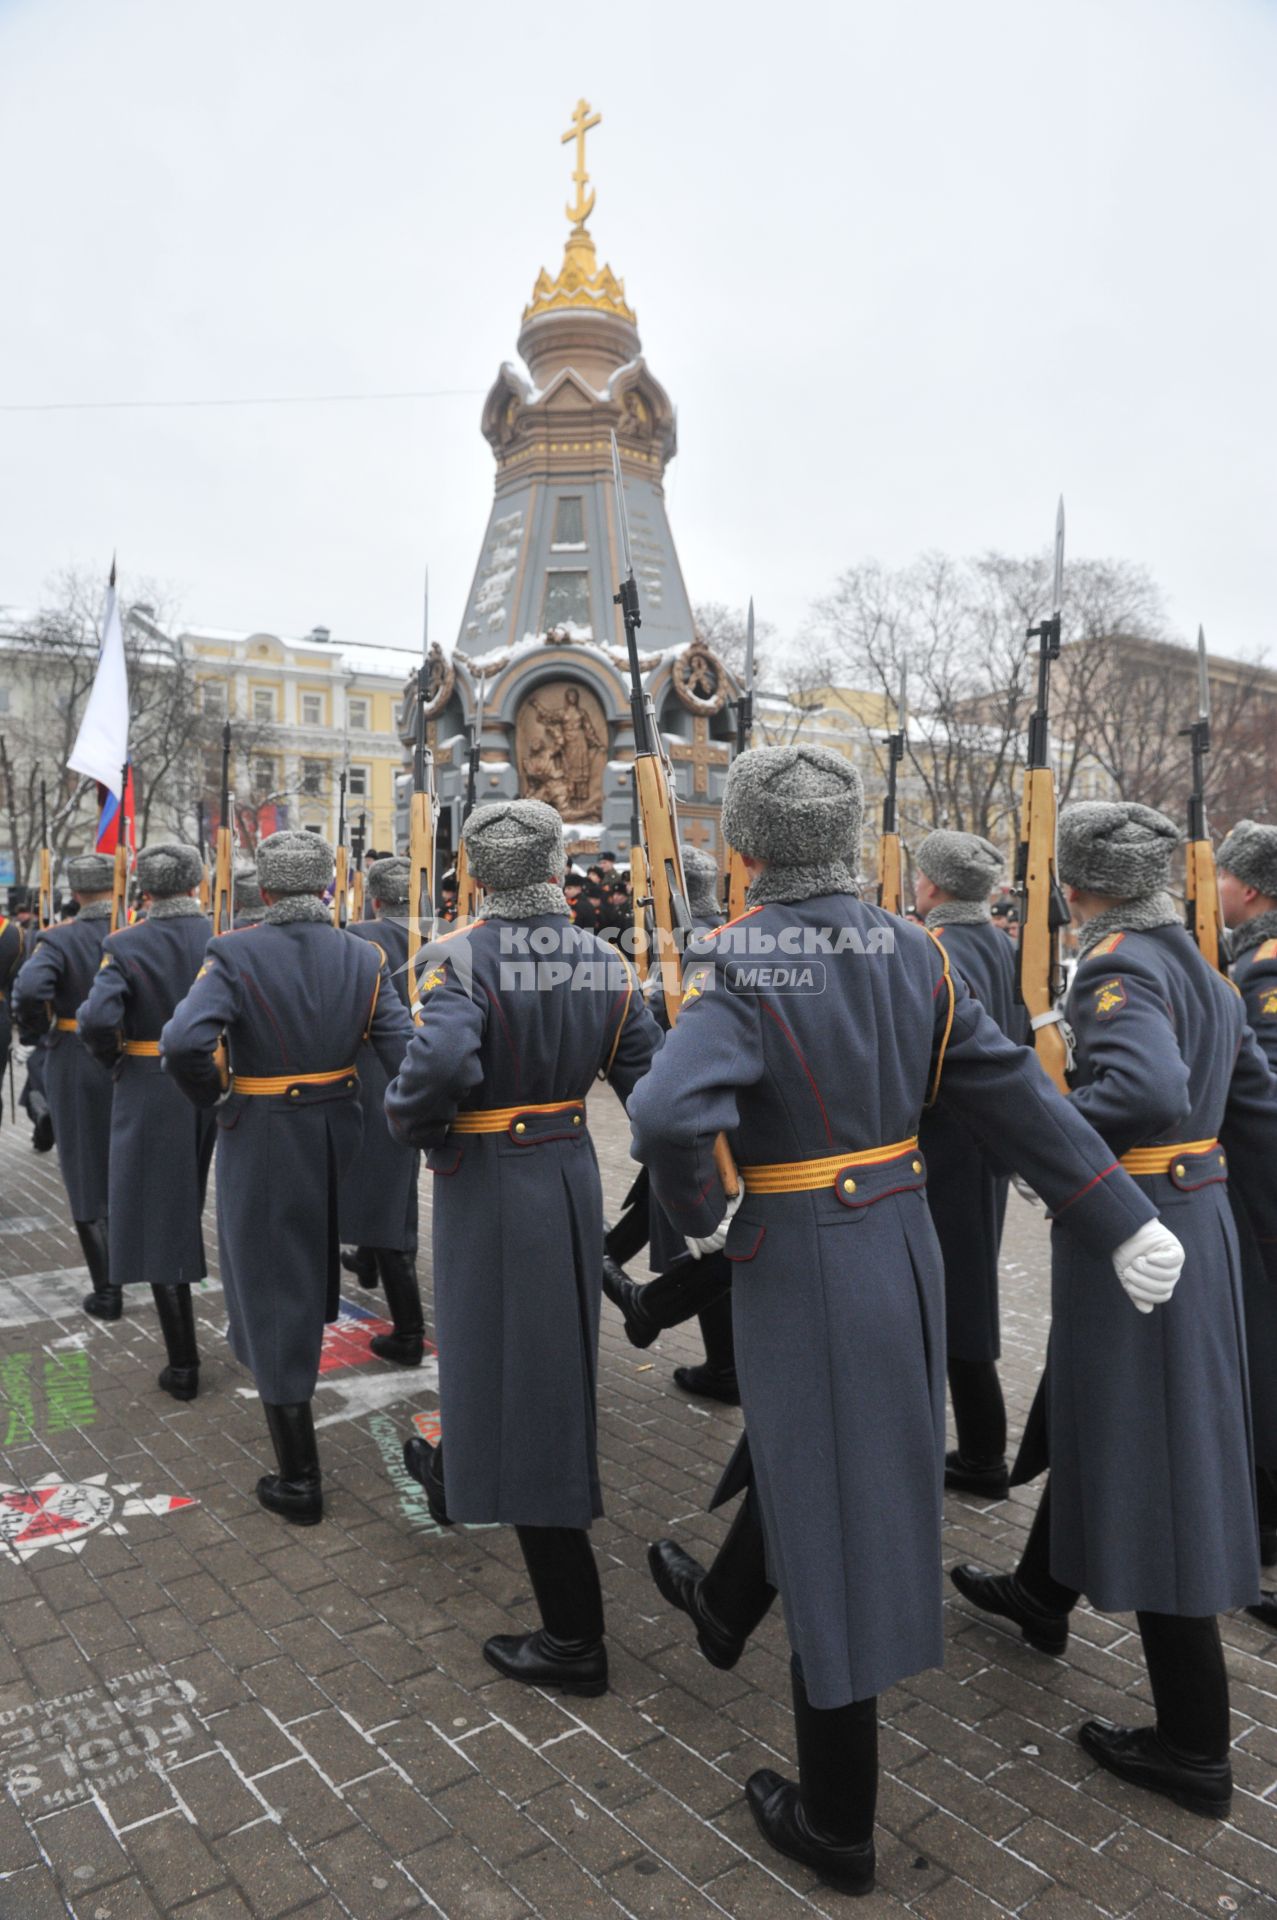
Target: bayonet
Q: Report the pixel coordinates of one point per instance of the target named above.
(1057, 584)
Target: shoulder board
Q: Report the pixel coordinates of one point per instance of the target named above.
(1268, 951)
(1109, 945)
(440, 938)
(714, 932)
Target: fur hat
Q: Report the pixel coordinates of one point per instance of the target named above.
(90, 872)
(794, 806)
(387, 881)
(167, 868)
(960, 863)
(290, 863)
(700, 870)
(1250, 852)
(1116, 847)
(513, 844)
(247, 892)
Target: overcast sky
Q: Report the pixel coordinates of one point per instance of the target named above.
(908, 271)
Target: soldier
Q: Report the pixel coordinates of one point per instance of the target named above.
(1149, 1508)
(12, 945)
(377, 1199)
(160, 1148)
(520, 1014)
(249, 909)
(51, 986)
(295, 997)
(967, 1195)
(839, 1295)
(1247, 862)
(685, 1285)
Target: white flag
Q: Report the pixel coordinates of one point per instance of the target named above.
(102, 744)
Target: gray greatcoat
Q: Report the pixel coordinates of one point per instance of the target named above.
(1142, 1418)
(377, 1199)
(50, 987)
(838, 1294)
(293, 999)
(966, 1191)
(518, 1221)
(1255, 974)
(161, 1146)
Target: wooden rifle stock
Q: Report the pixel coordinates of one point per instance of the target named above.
(1039, 945)
(120, 884)
(890, 874)
(44, 906)
(357, 893)
(468, 890)
(421, 832)
(737, 885)
(341, 887)
(1205, 920)
(640, 900)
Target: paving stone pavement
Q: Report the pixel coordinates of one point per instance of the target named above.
(206, 1713)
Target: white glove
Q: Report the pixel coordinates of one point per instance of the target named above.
(1025, 1191)
(714, 1242)
(1149, 1264)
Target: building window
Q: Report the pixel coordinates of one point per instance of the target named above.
(569, 522)
(312, 709)
(263, 776)
(358, 714)
(313, 772)
(357, 783)
(213, 697)
(264, 705)
(567, 600)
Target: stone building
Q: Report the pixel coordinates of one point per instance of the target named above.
(539, 666)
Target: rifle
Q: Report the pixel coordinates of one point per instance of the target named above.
(639, 892)
(44, 909)
(341, 875)
(120, 871)
(467, 890)
(223, 857)
(421, 841)
(1043, 908)
(1202, 914)
(358, 843)
(890, 878)
(737, 878)
(203, 847)
(665, 891)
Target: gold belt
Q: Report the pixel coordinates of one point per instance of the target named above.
(808, 1176)
(143, 1049)
(290, 1083)
(65, 1026)
(498, 1119)
(1164, 1159)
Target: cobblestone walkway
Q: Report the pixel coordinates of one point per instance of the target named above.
(205, 1713)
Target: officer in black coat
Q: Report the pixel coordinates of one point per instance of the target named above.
(294, 999)
(377, 1200)
(966, 1189)
(1150, 1506)
(1247, 864)
(50, 988)
(161, 1147)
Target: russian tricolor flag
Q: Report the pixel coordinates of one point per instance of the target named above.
(101, 749)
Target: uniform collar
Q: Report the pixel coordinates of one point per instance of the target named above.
(96, 910)
(1151, 910)
(1252, 934)
(177, 906)
(525, 903)
(960, 913)
(296, 907)
(788, 885)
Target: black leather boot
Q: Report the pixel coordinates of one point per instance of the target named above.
(567, 1651)
(399, 1278)
(683, 1289)
(105, 1302)
(295, 1491)
(969, 1476)
(825, 1818)
(424, 1464)
(729, 1599)
(362, 1262)
(1004, 1595)
(1265, 1609)
(42, 1132)
(181, 1377)
(1141, 1756)
(978, 1462)
(716, 1379)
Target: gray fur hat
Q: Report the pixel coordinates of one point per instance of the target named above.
(247, 892)
(1116, 847)
(960, 863)
(794, 806)
(294, 863)
(90, 872)
(1250, 852)
(168, 867)
(513, 844)
(387, 881)
(700, 870)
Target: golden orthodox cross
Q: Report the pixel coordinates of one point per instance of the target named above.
(582, 121)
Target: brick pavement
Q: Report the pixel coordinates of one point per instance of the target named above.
(205, 1713)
